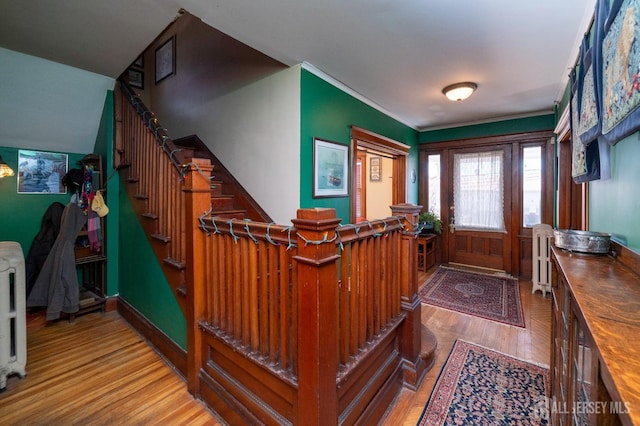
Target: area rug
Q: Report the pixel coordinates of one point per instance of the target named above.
(490, 296)
(478, 386)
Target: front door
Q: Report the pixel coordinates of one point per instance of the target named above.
(479, 207)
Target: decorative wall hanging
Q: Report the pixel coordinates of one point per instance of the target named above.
(620, 68)
(41, 172)
(585, 159)
(330, 169)
(166, 60)
(589, 127)
(375, 169)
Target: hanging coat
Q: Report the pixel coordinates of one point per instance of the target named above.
(57, 285)
(42, 243)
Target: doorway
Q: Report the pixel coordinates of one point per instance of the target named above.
(379, 180)
(524, 185)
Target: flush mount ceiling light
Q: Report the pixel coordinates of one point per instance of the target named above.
(5, 170)
(459, 91)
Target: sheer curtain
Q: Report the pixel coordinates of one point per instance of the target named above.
(478, 190)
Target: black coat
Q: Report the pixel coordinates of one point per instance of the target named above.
(57, 285)
(42, 243)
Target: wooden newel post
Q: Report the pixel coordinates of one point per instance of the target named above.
(197, 189)
(414, 366)
(317, 317)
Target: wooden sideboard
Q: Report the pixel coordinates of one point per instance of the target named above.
(595, 352)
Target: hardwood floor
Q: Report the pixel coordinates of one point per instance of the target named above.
(99, 371)
(532, 344)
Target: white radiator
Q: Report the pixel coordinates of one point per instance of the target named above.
(13, 328)
(541, 276)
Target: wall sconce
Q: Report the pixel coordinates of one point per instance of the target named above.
(459, 91)
(5, 170)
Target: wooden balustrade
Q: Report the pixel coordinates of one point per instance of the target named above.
(306, 324)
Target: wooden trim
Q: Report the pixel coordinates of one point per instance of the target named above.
(171, 352)
(562, 128)
(626, 256)
(488, 140)
(379, 142)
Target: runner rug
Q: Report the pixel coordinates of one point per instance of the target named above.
(478, 386)
(493, 297)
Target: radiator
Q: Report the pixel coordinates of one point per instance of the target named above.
(13, 329)
(541, 276)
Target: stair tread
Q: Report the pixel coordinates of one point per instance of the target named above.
(160, 237)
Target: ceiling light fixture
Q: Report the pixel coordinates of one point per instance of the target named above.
(5, 170)
(459, 91)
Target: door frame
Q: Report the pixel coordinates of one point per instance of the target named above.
(521, 238)
(362, 139)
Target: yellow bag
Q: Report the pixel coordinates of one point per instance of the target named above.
(98, 205)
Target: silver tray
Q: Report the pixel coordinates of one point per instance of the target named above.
(582, 241)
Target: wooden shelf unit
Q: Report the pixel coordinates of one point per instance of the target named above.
(89, 264)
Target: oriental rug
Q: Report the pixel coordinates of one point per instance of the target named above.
(489, 296)
(478, 386)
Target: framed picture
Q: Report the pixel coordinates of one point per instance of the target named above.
(330, 169)
(136, 78)
(375, 169)
(41, 172)
(139, 62)
(166, 60)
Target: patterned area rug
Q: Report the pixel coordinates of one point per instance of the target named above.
(493, 297)
(478, 386)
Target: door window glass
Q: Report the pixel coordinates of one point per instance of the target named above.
(478, 190)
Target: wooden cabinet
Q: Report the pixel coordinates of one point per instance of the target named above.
(589, 368)
(428, 248)
(90, 258)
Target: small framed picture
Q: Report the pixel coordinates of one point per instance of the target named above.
(139, 62)
(166, 60)
(375, 169)
(136, 78)
(41, 172)
(330, 169)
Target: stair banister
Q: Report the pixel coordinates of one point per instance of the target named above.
(198, 202)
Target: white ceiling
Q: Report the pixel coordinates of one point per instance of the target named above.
(398, 54)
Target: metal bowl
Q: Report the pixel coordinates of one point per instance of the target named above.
(582, 241)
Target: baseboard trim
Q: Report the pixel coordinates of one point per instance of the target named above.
(172, 352)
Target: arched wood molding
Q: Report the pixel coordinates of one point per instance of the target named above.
(361, 138)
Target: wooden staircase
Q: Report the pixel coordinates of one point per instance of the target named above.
(229, 199)
(154, 184)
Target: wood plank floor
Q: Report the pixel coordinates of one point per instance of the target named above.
(531, 344)
(99, 371)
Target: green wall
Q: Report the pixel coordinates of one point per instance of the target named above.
(21, 214)
(614, 203)
(141, 280)
(328, 112)
(505, 127)
(104, 147)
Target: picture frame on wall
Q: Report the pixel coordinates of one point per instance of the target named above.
(136, 78)
(139, 62)
(375, 169)
(330, 169)
(41, 172)
(166, 60)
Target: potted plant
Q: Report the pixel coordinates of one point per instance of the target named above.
(430, 222)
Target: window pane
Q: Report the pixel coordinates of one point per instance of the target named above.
(479, 190)
(531, 185)
(434, 183)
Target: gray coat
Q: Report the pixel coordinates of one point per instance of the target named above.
(57, 284)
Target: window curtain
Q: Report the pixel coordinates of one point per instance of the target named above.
(478, 190)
